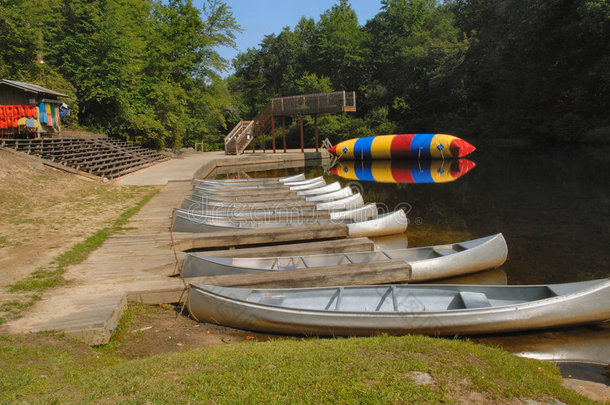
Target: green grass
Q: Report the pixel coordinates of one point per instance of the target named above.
(48, 368)
(52, 276)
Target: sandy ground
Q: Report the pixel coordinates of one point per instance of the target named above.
(44, 212)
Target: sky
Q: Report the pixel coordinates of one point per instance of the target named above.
(258, 18)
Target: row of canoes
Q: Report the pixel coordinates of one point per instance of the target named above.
(216, 207)
(362, 310)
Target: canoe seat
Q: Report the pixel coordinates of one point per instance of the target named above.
(442, 252)
(473, 300)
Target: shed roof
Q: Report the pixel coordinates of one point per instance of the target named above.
(32, 88)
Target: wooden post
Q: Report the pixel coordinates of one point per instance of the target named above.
(273, 132)
(302, 139)
(315, 120)
(284, 132)
(263, 142)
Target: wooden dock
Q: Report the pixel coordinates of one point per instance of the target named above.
(140, 264)
(390, 271)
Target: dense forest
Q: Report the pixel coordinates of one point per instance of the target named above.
(148, 70)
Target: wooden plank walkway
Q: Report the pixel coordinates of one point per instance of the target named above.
(135, 264)
(138, 265)
(390, 271)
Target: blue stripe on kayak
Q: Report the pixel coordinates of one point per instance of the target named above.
(362, 148)
(420, 170)
(421, 142)
(362, 169)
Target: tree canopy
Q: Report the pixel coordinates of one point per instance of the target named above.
(149, 70)
(533, 69)
(146, 70)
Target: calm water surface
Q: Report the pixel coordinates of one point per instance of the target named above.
(552, 205)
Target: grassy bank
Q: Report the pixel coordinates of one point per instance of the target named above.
(47, 368)
(52, 275)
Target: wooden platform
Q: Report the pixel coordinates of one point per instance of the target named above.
(390, 271)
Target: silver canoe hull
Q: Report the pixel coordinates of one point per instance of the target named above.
(317, 182)
(427, 263)
(190, 221)
(266, 180)
(356, 214)
(391, 223)
(400, 309)
(347, 203)
(201, 203)
(321, 190)
(280, 195)
(196, 203)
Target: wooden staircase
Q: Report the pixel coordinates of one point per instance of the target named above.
(239, 138)
(245, 131)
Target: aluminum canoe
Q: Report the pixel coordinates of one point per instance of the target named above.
(185, 221)
(265, 180)
(353, 201)
(282, 196)
(332, 196)
(295, 186)
(427, 263)
(317, 187)
(320, 190)
(391, 223)
(388, 224)
(400, 309)
(363, 213)
(204, 204)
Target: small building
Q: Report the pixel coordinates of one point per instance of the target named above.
(28, 110)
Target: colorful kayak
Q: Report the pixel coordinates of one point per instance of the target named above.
(405, 146)
(401, 171)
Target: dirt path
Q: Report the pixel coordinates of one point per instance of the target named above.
(44, 212)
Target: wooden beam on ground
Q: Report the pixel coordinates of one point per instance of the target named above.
(387, 272)
(327, 246)
(210, 240)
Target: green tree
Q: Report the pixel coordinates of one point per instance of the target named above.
(340, 46)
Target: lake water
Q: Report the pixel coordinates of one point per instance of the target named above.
(552, 205)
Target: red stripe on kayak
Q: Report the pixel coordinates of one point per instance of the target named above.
(460, 167)
(460, 148)
(401, 171)
(401, 146)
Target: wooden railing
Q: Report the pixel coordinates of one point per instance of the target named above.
(239, 138)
